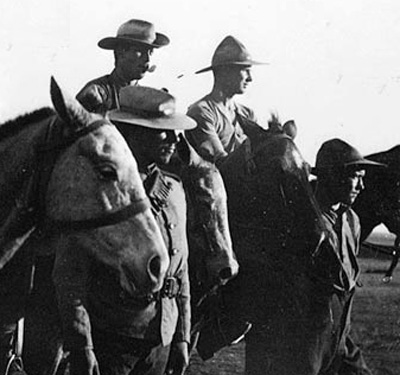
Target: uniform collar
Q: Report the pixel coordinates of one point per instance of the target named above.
(324, 201)
(149, 169)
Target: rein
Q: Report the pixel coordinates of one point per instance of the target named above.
(112, 218)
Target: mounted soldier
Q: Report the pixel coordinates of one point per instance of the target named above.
(133, 46)
(219, 131)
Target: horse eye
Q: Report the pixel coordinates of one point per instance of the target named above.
(108, 172)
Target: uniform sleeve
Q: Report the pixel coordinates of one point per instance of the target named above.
(204, 137)
(70, 275)
(93, 97)
(182, 332)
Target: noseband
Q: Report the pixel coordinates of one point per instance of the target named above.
(47, 155)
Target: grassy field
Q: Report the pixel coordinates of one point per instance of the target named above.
(376, 325)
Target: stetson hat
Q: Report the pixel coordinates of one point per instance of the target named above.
(230, 52)
(135, 32)
(151, 108)
(336, 153)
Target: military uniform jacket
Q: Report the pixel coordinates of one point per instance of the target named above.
(101, 94)
(337, 260)
(89, 290)
(167, 196)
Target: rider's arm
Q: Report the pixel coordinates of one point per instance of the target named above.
(204, 138)
(94, 98)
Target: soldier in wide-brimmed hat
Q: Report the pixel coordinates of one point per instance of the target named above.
(132, 46)
(131, 333)
(218, 116)
(340, 169)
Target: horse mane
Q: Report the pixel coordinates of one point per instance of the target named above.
(202, 168)
(13, 126)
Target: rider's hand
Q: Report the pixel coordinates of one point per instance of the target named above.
(178, 358)
(83, 362)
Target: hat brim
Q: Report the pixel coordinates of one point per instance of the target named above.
(111, 43)
(364, 163)
(176, 121)
(242, 63)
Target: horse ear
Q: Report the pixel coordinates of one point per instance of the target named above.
(187, 153)
(67, 107)
(290, 129)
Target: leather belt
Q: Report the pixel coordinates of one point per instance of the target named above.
(170, 289)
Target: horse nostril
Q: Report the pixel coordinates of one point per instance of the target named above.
(225, 273)
(155, 266)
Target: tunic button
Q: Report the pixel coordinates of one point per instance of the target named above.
(171, 226)
(174, 251)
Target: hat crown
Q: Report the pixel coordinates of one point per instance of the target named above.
(135, 32)
(150, 108)
(231, 51)
(146, 101)
(138, 30)
(337, 153)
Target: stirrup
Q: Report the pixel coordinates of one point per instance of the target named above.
(15, 366)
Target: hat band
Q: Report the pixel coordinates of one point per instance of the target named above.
(138, 38)
(143, 112)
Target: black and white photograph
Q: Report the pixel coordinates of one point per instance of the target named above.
(199, 187)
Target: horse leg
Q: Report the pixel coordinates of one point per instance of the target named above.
(13, 299)
(7, 334)
(43, 327)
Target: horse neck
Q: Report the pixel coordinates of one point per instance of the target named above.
(17, 158)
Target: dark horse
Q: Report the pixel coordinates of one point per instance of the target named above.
(67, 177)
(379, 203)
(277, 231)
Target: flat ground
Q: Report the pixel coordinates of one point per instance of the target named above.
(376, 325)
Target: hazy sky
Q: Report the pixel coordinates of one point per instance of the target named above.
(334, 65)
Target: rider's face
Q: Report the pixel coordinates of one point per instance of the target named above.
(349, 185)
(150, 145)
(237, 78)
(133, 63)
(160, 145)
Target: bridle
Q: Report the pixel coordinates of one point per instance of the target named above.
(47, 154)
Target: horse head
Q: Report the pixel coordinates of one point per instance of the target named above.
(95, 200)
(268, 187)
(380, 201)
(211, 255)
